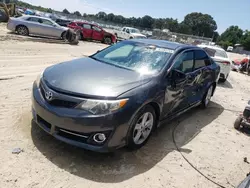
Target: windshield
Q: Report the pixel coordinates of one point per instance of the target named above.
(134, 31)
(140, 57)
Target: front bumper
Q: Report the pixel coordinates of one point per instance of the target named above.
(77, 127)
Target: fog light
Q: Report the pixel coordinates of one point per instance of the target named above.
(99, 137)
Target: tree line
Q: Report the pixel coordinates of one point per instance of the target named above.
(195, 23)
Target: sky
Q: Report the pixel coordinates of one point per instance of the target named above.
(224, 12)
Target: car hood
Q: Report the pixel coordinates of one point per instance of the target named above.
(88, 77)
(138, 35)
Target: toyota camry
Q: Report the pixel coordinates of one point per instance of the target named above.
(119, 95)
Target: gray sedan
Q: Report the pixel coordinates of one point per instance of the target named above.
(35, 25)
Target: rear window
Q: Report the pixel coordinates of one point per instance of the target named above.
(215, 52)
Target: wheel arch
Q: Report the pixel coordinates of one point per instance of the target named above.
(155, 106)
(19, 25)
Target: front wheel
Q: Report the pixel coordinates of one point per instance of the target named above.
(107, 40)
(207, 97)
(141, 127)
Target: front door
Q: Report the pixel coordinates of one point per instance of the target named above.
(178, 84)
(49, 28)
(87, 31)
(97, 33)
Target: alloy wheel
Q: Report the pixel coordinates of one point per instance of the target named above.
(22, 30)
(143, 128)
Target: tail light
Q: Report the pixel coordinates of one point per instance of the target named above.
(225, 62)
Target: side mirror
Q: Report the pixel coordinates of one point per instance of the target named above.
(127, 32)
(177, 77)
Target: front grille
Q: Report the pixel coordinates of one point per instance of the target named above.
(63, 103)
(58, 102)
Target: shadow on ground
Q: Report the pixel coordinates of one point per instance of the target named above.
(123, 165)
(226, 84)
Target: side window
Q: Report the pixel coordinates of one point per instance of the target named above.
(123, 51)
(46, 22)
(124, 29)
(96, 28)
(33, 19)
(201, 59)
(78, 24)
(185, 62)
(86, 26)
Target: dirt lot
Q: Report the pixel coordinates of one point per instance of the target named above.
(205, 137)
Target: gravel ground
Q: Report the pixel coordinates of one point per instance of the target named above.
(205, 137)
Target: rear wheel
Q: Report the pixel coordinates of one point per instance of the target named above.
(107, 40)
(237, 122)
(141, 127)
(224, 79)
(22, 30)
(207, 97)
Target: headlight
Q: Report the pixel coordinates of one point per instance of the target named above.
(102, 106)
(38, 79)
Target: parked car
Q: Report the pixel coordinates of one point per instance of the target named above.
(220, 56)
(93, 32)
(63, 22)
(129, 33)
(35, 25)
(119, 95)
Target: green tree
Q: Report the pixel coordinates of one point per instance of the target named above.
(110, 17)
(147, 21)
(232, 35)
(185, 29)
(77, 13)
(245, 41)
(101, 15)
(200, 24)
(171, 24)
(158, 23)
(65, 11)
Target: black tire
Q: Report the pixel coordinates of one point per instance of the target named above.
(237, 123)
(130, 37)
(22, 30)
(107, 40)
(130, 138)
(223, 80)
(204, 103)
(64, 35)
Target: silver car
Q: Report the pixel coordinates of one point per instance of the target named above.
(35, 25)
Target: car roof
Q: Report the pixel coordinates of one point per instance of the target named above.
(212, 47)
(33, 16)
(163, 43)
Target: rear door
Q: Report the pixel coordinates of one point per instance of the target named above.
(97, 33)
(87, 31)
(202, 76)
(49, 29)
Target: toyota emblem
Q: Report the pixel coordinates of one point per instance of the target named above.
(48, 95)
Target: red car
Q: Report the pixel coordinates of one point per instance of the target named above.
(93, 32)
